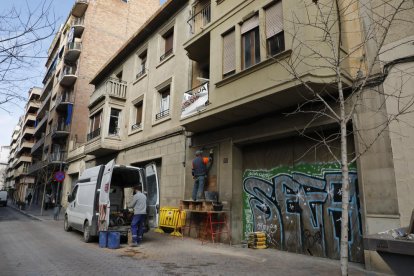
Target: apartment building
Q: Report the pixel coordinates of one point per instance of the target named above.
(4, 159)
(91, 33)
(273, 174)
(134, 112)
(12, 149)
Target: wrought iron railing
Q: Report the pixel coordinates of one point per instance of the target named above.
(200, 19)
(65, 98)
(93, 134)
(60, 127)
(68, 70)
(136, 126)
(39, 143)
(141, 73)
(166, 54)
(162, 114)
(35, 167)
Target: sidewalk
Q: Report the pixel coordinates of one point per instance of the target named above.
(34, 211)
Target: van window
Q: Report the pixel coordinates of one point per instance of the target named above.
(75, 190)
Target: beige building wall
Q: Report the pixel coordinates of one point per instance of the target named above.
(157, 140)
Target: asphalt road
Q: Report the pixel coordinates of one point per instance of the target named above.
(33, 247)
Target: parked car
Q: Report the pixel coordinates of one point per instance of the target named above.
(3, 198)
(98, 201)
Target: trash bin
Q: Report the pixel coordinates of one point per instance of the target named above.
(103, 239)
(114, 240)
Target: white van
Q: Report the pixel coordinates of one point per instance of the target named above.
(3, 198)
(99, 199)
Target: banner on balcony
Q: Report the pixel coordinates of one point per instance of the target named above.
(69, 115)
(194, 100)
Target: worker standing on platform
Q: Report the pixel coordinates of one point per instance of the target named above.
(201, 166)
(139, 203)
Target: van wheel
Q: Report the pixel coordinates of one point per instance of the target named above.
(66, 226)
(87, 232)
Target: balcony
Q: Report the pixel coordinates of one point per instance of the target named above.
(79, 8)
(68, 76)
(60, 130)
(28, 144)
(110, 88)
(37, 146)
(78, 25)
(36, 166)
(24, 158)
(57, 157)
(28, 131)
(30, 119)
(73, 51)
(32, 106)
(44, 107)
(64, 100)
(201, 17)
(195, 100)
(98, 145)
(41, 126)
(21, 172)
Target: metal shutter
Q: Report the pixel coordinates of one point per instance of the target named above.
(250, 24)
(274, 19)
(229, 52)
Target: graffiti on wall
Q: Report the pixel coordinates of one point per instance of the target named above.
(300, 209)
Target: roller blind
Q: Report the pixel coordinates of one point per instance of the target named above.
(250, 24)
(274, 19)
(229, 52)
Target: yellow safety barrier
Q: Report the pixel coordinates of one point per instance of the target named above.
(171, 217)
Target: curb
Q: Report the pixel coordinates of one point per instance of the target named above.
(25, 213)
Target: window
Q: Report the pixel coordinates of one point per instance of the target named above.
(168, 43)
(275, 40)
(164, 103)
(229, 50)
(250, 42)
(142, 68)
(95, 125)
(114, 122)
(138, 116)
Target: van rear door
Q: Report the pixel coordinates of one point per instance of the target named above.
(104, 203)
(153, 195)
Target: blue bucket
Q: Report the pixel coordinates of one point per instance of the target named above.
(103, 239)
(114, 240)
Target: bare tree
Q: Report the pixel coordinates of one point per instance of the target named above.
(347, 44)
(22, 32)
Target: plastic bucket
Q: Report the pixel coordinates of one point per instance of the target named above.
(103, 239)
(114, 240)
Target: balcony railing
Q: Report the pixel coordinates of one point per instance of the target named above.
(74, 46)
(37, 145)
(93, 134)
(112, 88)
(200, 19)
(162, 114)
(64, 98)
(40, 124)
(79, 21)
(166, 54)
(60, 127)
(141, 73)
(59, 156)
(136, 126)
(68, 70)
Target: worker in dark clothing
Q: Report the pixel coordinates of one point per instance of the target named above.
(201, 166)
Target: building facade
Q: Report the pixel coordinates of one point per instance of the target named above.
(73, 58)
(4, 160)
(135, 109)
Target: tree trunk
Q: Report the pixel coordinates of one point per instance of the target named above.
(345, 183)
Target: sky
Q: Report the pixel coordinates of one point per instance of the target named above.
(59, 10)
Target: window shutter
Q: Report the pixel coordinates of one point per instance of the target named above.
(229, 52)
(169, 42)
(138, 119)
(250, 24)
(274, 19)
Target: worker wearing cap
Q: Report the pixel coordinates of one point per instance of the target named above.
(201, 165)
